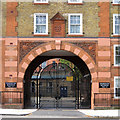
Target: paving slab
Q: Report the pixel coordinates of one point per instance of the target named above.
(101, 113)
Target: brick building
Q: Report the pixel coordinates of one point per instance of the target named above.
(83, 32)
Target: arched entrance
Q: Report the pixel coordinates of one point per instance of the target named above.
(63, 50)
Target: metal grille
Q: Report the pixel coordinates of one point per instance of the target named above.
(58, 86)
(106, 99)
(11, 97)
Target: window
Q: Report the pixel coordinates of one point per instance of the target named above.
(116, 1)
(116, 55)
(49, 87)
(117, 87)
(40, 1)
(75, 24)
(41, 23)
(116, 24)
(74, 1)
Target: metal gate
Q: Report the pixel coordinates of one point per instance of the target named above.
(58, 86)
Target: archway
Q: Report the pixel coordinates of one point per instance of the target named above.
(78, 56)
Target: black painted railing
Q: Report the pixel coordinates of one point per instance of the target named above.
(11, 97)
(106, 100)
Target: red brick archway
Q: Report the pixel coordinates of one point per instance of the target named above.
(58, 45)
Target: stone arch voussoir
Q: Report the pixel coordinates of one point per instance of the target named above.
(57, 45)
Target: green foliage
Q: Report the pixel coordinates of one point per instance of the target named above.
(73, 67)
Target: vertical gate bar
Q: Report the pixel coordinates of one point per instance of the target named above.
(37, 92)
(78, 92)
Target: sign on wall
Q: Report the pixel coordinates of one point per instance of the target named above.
(70, 78)
(10, 84)
(104, 85)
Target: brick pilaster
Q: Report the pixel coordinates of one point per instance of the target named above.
(104, 62)
(104, 18)
(11, 63)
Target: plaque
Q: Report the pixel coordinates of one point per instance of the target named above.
(10, 84)
(104, 85)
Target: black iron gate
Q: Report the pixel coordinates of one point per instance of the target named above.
(58, 86)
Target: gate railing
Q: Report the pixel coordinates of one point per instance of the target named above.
(11, 97)
(106, 100)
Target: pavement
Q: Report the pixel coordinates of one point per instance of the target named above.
(59, 113)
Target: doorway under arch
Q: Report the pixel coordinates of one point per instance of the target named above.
(77, 95)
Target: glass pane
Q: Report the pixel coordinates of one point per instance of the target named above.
(117, 29)
(40, 29)
(117, 19)
(72, 29)
(74, 0)
(75, 19)
(40, 19)
(116, 1)
(117, 60)
(78, 20)
(117, 92)
(117, 82)
(117, 51)
(75, 29)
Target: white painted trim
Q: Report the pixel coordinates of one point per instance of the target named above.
(115, 86)
(114, 23)
(69, 1)
(81, 24)
(115, 55)
(115, 2)
(35, 1)
(46, 23)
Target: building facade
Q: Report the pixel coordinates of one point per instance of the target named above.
(83, 32)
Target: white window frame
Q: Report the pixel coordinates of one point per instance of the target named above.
(69, 1)
(116, 2)
(118, 77)
(115, 55)
(35, 14)
(81, 24)
(114, 23)
(35, 1)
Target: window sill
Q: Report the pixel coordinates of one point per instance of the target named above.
(115, 35)
(116, 97)
(116, 65)
(40, 35)
(41, 3)
(75, 3)
(115, 4)
(70, 35)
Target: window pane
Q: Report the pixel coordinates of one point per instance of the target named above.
(117, 60)
(40, 29)
(117, 82)
(40, 19)
(116, 1)
(117, 92)
(75, 29)
(41, 0)
(118, 51)
(74, 0)
(72, 29)
(117, 29)
(117, 19)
